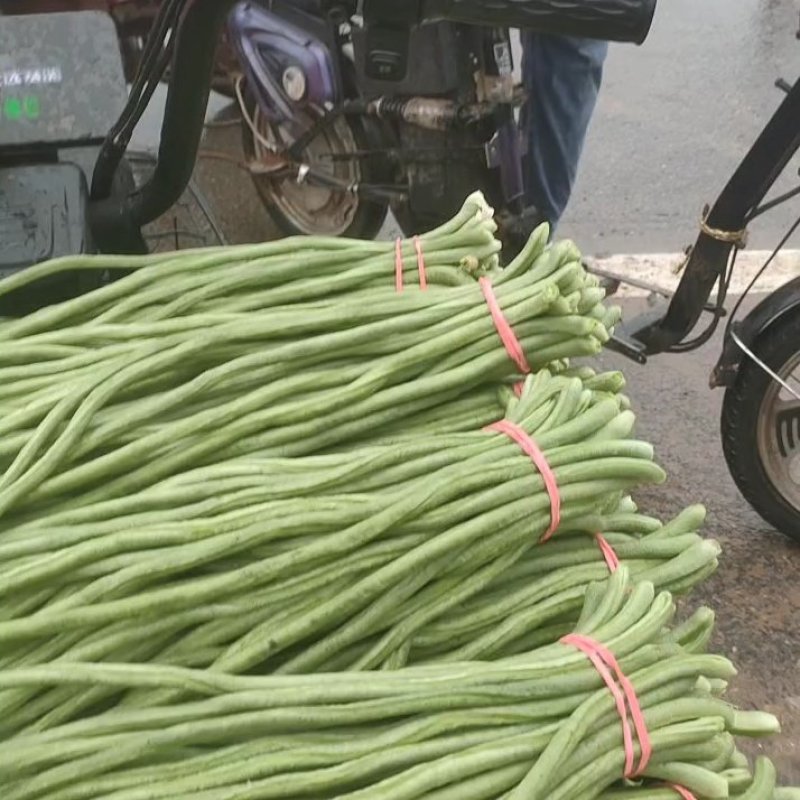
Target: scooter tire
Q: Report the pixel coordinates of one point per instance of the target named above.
(369, 216)
(747, 412)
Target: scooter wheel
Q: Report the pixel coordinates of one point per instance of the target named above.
(761, 427)
(299, 209)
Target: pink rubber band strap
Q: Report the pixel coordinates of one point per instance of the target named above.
(682, 791)
(642, 734)
(507, 335)
(423, 275)
(612, 559)
(531, 449)
(518, 388)
(634, 707)
(398, 265)
(588, 648)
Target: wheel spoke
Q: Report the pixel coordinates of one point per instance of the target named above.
(787, 427)
(311, 209)
(778, 432)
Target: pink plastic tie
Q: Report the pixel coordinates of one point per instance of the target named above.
(531, 449)
(682, 791)
(504, 330)
(423, 275)
(600, 654)
(612, 559)
(587, 646)
(645, 745)
(398, 265)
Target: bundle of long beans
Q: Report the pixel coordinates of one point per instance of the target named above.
(268, 275)
(304, 564)
(538, 726)
(99, 409)
(538, 598)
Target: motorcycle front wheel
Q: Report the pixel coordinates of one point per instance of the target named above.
(761, 427)
(300, 209)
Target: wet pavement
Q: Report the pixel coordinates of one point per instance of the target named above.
(675, 118)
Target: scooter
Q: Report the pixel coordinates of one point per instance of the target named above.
(66, 186)
(345, 118)
(336, 134)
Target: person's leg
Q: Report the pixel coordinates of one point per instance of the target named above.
(562, 77)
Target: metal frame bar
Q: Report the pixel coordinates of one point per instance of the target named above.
(765, 367)
(746, 189)
(114, 218)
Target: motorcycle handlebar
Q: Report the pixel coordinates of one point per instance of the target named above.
(611, 20)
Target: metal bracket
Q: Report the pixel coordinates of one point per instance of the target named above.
(756, 360)
(658, 291)
(627, 346)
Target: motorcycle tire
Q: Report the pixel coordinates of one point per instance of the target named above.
(760, 438)
(438, 190)
(440, 168)
(364, 218)
(411, 223)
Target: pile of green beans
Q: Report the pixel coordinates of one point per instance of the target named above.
(538, 726)
(317, 563)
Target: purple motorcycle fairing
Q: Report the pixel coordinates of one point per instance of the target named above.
(267, 44)
(271, 35)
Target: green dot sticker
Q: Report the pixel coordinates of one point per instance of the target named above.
(13, 108)
(31, 107)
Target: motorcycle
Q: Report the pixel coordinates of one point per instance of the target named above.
(66, 186)
(308, 81)
(344, 119)
(759, 366)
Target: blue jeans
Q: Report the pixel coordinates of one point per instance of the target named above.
(562, 77)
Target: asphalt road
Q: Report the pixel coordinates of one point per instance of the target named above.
(675, 118)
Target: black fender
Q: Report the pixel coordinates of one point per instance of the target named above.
(770, 311)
